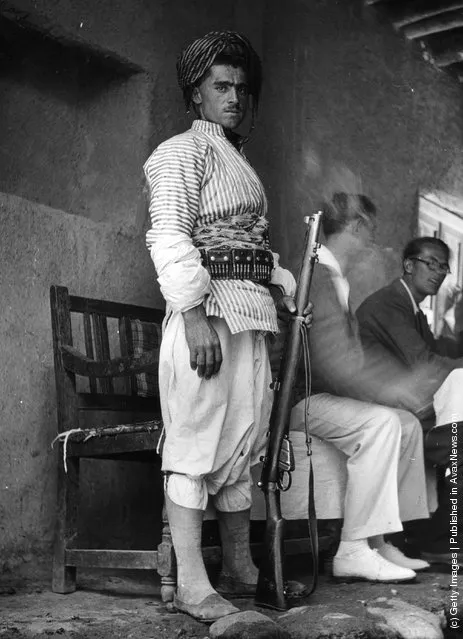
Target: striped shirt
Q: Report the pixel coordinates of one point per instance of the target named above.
(196, 179)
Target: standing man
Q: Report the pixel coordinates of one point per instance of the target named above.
(209, 244)
(393, 326)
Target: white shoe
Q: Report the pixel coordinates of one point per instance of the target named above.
(368, 565)
(396, 556)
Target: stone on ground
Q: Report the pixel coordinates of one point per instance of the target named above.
(246, 625)
(404, 620)
(314, 622)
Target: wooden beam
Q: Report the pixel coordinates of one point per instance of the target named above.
(124, 559)
(446, 59)
(416, 11)
(429, 26)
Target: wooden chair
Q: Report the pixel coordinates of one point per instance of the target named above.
(97, 384)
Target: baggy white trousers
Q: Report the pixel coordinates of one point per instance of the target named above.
(215, 429)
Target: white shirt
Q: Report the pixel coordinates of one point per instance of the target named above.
(326, 257)
(414, 304)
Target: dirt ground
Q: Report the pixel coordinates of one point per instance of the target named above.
(116, 604)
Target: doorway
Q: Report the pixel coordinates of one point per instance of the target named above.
(441, 215)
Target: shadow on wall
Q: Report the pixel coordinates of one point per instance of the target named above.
(374, 268)
(68, 117)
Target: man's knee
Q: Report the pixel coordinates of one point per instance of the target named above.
(189, 492)
(381, 432)
(387, 421)
(234, 498)
(448, 400)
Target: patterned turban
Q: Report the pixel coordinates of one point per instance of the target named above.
(199, 56)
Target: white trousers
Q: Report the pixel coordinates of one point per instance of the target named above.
(385, 466)
(215, 429)
(448, 400)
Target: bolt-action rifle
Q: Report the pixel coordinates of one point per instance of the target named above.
(279, 461)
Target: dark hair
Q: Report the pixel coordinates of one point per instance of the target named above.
(343, 208)
(415, 246)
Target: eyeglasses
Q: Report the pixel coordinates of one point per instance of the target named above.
(434, 265)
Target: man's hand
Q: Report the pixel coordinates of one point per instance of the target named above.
(286, 308)
(203, 342)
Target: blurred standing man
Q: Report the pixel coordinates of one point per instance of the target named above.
(393, 325)
(209, 245)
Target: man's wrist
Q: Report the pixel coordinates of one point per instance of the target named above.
(194, 313)
(276, 292)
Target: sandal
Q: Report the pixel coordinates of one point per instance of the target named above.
(210, 609)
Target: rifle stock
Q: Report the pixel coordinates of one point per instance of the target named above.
(270, 590)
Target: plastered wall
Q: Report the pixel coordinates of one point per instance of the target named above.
(349, 104)
(40, 246)
(73, 139)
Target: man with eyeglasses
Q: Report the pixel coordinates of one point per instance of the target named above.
(392, 324)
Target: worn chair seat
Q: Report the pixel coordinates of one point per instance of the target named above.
(123, 440)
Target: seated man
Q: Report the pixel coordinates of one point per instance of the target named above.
(392, 325)
(385, 468)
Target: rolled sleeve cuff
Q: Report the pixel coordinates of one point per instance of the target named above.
(183, 280)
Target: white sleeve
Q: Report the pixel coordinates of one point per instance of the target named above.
(183, 280)
(282, 278)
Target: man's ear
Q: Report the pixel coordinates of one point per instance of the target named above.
(358, 223)
(353, 226)
(408, 266)
(196, 96)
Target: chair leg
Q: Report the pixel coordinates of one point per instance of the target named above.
(64, 577)
(166, 562)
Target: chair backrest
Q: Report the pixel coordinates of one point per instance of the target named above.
(103, 330)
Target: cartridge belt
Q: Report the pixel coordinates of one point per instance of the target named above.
(238, 264)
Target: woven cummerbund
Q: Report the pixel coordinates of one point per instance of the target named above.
(238, 264)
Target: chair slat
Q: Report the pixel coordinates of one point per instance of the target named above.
(115, 309)
(89, 349)
(100, 334)
(118, 403)
(126, 342)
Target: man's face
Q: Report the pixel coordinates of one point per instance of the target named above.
(222, 97)
(366, 229)
(422, 279)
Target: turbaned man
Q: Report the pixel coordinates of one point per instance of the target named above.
(209, 244)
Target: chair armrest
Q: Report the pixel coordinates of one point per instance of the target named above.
(76, 362)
